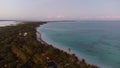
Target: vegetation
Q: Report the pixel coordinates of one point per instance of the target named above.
(20, 50)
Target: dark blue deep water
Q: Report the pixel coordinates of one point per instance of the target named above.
(96, 41)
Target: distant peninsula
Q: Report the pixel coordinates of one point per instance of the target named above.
(20, 48)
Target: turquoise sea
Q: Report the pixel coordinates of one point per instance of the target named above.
(98, 42)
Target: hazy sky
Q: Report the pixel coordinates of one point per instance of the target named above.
(59, 9)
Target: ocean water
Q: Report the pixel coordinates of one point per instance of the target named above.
(98, 42)
(6, 23)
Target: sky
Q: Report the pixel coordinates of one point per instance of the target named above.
(60, 9)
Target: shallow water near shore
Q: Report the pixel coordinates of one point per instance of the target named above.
(96, 41)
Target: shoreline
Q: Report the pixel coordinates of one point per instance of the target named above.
(20, 48)
(40, 39)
